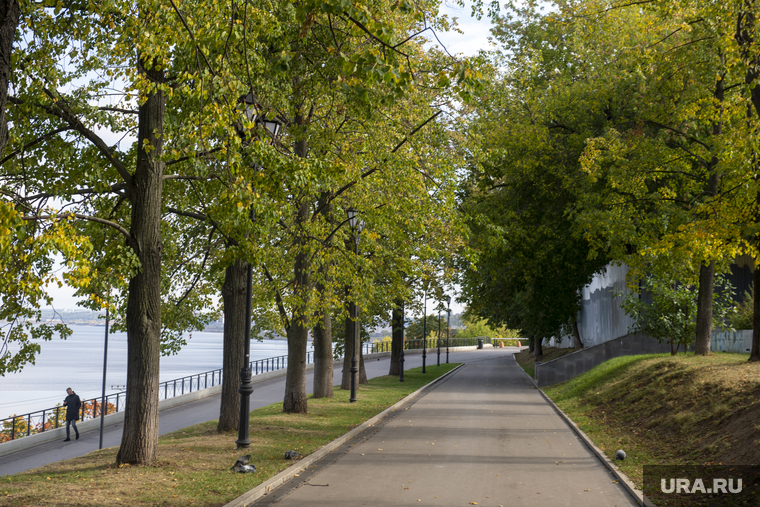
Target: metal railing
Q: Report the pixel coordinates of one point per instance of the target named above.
(372, 348)
(39, 421)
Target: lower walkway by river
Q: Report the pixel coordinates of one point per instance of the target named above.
(172, 419)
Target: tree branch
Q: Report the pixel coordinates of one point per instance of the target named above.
(377, 167)
(61, 111)
(88, 218)
(198, 154)
(278, 298)
(32, 143)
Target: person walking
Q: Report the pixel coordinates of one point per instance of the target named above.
(72, 404)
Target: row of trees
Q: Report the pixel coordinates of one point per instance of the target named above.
(615, 131)
(135, 150)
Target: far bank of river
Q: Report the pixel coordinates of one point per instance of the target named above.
(78, 363)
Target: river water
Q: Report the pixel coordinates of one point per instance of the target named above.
(78, 363)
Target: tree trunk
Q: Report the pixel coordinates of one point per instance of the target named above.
(707, 271)
(362, 372)
(577, 343)
(298, 331)
(348, 351)
(397, 336)
(322, 332)
(234, 301)
(745, 38)
(531, 345)
(538, 348)
(345, 382)
(705, 308)
(295, 379)
(754, 353)
(140, 437)
(323, 358)
(9, 17)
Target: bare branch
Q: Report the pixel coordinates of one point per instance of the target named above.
(32, 143)
(197, 155)
(377, 167)
(278, 298)
(88, 218)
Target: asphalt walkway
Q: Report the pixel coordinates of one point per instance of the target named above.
(484, 436)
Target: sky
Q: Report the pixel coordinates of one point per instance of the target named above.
(474, 38)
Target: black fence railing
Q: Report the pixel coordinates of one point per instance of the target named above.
(39, 421)
(31, 423)
(372, 348)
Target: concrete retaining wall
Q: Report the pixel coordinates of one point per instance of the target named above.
(732, 341)
(569, 366)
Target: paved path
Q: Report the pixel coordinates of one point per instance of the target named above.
(484, 437)
(175, 418)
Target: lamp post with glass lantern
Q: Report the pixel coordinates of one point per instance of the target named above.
(401, 355)
(448, 325)
(424, 332)
(356, 227)
(246, 383)
(439, 335)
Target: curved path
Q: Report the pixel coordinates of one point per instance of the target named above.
(484, 436)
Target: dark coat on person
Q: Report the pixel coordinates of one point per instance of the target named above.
(72, 404)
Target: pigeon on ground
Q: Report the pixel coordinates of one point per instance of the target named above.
(620, 455)
(291, 455)
(242, 466)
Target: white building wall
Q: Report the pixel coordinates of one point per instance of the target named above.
(601, 319)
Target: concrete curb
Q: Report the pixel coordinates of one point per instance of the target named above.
(287, 474)
(627, 483)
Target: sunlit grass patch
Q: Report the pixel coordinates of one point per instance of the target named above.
(663, 409)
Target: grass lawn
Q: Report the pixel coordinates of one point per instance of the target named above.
(193, 466)
(663, 409)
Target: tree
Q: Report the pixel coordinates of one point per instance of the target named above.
(347, 142)
(56, 117)
(524, 185)
(665, 177)
(9, 19)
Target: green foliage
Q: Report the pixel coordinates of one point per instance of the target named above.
(524, 185)
(670, 317)
(742, 317)
(414, 330)
(478, 328)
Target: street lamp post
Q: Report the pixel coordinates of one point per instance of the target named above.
(439, 335)
(246, 382)
(448, 325)
(401, 356)
(424, 332)
(103, 408)
(356, 227)
(246, 376)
